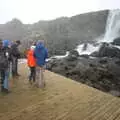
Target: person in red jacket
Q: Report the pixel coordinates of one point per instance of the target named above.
(31, 61)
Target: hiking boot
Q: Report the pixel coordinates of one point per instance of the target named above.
(18, 75)
(6, 90)
(34, 80)
(2, 89)
(30, 82)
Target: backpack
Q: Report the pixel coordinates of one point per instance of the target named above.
(14, 51)
(3, 60)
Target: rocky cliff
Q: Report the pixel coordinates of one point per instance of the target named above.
(61, 34)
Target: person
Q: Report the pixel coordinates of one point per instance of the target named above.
(2, 69)
(40, 54)
(31, 61)
(7, 50)
(15, 56)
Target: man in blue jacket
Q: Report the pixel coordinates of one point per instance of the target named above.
(40, 54)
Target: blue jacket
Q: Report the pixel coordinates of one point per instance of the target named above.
(40, 54)
(7, 49)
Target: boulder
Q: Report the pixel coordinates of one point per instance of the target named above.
(107, 50)
(117, 62)
(85, 47)
(95, 54)
(116, 41)
(103, 61)
(73, 55)
(85, 56)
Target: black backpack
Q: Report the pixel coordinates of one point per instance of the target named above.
(3, 60)
(14, 51)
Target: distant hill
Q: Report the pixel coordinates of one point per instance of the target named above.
(61, 34)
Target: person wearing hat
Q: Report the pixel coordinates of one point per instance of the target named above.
(4, 65)
(15, 56)
(31, 61)
(7, 50)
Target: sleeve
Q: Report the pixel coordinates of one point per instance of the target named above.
(34, 54)
(46, 53)
(15, 52)
(10, 55)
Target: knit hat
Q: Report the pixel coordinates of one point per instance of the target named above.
(18, 42)
(32, 47)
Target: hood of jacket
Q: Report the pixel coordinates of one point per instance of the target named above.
(6, 43)
(40, 45)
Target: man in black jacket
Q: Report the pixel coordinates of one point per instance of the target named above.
(2, 70)
(7, 50)
(15, 56)
(4, 65)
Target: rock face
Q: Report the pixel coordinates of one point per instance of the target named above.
(62, 34)
(73, 55)
(101, 73)
(116, 41)
(107, 50)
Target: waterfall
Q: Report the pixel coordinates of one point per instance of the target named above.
(112, 31)
(90, 48)
(112, 26)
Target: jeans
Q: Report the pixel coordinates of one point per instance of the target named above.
(40, 77)
(32, 74)
(2, 76)
(6, 79)
(14, 66)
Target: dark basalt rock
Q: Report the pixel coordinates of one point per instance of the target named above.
(101, 73)
(107, 50)
(116, 41)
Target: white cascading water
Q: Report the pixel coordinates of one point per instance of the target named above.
(89, 49)
(58, 56)
(112, 31)
(62, 56)
(113, 26)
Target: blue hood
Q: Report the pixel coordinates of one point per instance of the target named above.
(40, 45)
(6, 43)
(40, 53)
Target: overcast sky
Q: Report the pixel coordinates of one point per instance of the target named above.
(30, 11)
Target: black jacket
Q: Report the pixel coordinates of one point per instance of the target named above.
(15, 51)
(4, 58)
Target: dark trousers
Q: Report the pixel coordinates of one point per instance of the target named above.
(2, 75)
(14, 66)
(32, 74)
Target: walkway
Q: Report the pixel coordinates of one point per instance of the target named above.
(62, 99)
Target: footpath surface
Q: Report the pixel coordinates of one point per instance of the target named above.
(62, 99)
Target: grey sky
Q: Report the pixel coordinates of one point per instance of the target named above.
(30, 11)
